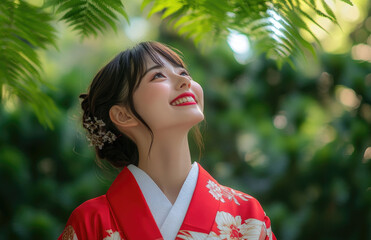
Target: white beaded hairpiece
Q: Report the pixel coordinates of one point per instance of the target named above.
(97, 134)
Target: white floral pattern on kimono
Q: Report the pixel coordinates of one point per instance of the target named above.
(189, 235)
(231, 228)
(219, 191)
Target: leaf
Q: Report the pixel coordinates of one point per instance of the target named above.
(313, 2)
(329, 11)
(145, 3)
(24, 29)
(172, 10)
(347, 1)
(297, 20)
(89, 17)
(201, 19)
(311, 19)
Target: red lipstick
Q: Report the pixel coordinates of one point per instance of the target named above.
(184, 95)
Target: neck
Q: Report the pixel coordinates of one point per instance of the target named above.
(168, 163)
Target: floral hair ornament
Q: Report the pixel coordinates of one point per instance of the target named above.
(98, 135)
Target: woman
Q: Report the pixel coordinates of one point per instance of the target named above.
(138, 112)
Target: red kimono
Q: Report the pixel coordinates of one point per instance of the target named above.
(215, 212)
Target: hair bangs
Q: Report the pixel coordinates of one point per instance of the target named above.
(169, 54)
(155, 50)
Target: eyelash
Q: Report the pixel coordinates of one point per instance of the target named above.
(157, 75)
(187, 74)
(160, 75)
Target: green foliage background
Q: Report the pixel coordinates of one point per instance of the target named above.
(282, 135)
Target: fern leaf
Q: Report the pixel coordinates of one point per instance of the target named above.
(89, 17)
(107, 14)
(117, 6)
(313, 2)
(24, 29)
(201, 20)
(172, 10)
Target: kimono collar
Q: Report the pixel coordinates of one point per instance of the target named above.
(130, 209)
(203, 208)
(134, 217)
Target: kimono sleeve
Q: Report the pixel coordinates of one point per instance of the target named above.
(90, 220)
(270, 235)
(267, 233)
(258, 223)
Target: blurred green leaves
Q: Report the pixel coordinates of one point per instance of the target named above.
(297, 143)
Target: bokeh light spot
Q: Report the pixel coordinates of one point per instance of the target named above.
(347, 97)
(367, 155)
(280, 121)
(361, 52)
(138, 29)
(349, 13)
(238, 42)
(240, 45)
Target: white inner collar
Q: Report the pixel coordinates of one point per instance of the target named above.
(168, 217)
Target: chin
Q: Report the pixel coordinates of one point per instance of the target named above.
(197, 119)
(185, 124)
(201, 118)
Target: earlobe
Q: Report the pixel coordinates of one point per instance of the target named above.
(121, 117)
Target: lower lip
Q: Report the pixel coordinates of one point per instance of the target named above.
(185, 104)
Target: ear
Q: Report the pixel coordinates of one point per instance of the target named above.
(122, 117)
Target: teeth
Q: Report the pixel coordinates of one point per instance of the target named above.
(183, 100)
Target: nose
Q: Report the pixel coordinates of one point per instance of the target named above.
(183, 82)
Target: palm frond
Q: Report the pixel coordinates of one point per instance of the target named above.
(273, 26)
(24, 30)
(89, 17)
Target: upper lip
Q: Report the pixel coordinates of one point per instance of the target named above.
(186, 94)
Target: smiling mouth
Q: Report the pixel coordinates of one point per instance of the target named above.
(183, 101)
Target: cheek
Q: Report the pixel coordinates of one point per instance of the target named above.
(197, 89)
(151, 97)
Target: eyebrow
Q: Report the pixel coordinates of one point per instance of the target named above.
(151, 68)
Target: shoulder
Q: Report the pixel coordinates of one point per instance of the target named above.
(234, 200)
(243, 200)
(230, 198)
(245, 208)
(90, 220)
(238, 207)
(238, 197)
(93, 208)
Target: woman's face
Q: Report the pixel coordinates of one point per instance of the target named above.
(167, 97)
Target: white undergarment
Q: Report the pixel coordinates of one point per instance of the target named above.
(168, 217)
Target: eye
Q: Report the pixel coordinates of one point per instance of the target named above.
(158, 75)
(184, 73)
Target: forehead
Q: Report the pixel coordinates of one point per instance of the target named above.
(160, 60)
